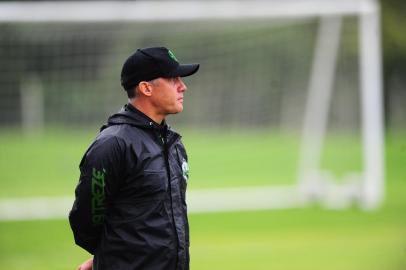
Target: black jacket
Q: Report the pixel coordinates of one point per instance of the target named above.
(130, 209)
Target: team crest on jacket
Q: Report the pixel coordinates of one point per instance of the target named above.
(185, 169)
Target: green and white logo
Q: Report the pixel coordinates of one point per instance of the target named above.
(185, 169)
(172, 55)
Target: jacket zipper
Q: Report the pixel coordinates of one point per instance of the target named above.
(168, 172)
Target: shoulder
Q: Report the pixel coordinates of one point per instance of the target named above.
(112, 140)
(106, 145)
(124, 133)
(125, 139)
(103, 150)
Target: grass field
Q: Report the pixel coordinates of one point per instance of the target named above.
(311, 238)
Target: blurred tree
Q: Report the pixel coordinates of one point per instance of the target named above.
(394, 55)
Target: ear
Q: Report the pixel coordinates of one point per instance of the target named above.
(145, 88)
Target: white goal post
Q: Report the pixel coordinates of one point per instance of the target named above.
(313, 184)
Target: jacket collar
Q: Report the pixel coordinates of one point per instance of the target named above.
(146, 118)
(132, 116)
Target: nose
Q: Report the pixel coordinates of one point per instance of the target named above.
(182, 85)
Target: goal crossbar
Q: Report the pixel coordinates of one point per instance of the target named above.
(108, 11)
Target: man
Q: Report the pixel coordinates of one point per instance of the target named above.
(130, 209)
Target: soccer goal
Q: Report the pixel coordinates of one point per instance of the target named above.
(306, 69)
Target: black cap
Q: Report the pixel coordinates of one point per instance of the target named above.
(150, 63)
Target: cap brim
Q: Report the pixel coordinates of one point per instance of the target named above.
(185, 70)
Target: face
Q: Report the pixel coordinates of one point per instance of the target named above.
(167, 95)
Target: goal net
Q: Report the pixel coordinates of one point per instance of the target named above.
(291, 87)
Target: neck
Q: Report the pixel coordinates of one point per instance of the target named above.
(146, 109)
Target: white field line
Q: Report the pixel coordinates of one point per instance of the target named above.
(199, 201)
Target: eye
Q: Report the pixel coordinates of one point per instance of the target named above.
(173, 80)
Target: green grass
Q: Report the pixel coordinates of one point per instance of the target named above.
(310, 238)
(48, 165)
(299, 239)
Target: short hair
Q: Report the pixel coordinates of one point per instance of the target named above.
(131, 92)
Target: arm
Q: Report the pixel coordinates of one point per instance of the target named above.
(99, 180)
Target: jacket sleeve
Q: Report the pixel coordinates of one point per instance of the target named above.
(100, 174)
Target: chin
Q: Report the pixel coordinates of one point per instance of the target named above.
(176, 110)
(179, 109)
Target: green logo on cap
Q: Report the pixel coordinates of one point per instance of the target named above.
(171, 55)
